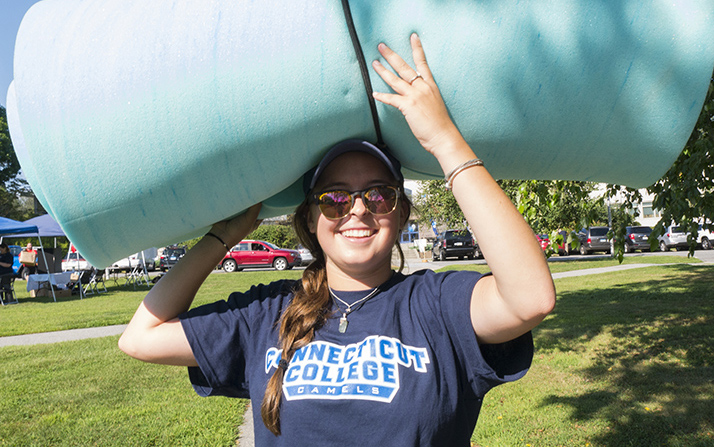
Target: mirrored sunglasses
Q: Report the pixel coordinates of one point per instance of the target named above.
(378, 200)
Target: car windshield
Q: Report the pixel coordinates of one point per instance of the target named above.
(598, 232)
(273, 246)
(677, 230)
(642, 230)
(176, 252)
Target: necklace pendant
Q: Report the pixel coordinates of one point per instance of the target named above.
(343, 324)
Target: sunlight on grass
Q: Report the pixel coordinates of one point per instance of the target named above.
(87, 392)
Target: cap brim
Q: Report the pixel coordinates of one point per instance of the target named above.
(352, 145)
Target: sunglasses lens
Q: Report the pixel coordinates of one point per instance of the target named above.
(381, 200)
(335, 204)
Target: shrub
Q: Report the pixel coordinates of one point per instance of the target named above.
(281, 235)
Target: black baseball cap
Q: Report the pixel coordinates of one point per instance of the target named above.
(352, 145)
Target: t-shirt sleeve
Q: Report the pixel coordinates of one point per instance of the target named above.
(220, 336)
(213, 332)
(486, 366)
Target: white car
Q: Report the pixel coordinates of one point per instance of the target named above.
(127, 264)
(674, 237)
(136, 260)
(305, 256)
(75, 262)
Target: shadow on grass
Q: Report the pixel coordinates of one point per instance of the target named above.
(651, 345)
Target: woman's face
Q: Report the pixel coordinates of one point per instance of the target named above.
(360, 243)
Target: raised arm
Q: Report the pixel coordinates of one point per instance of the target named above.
(155, 334)
(520, 293)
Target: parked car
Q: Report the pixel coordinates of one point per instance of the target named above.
(306, 256)
(75, 262)
(704, 238)
(171, 256)
(674, 237)
(455, 243)
(637, 238)
(543, 240)
(594, 239)
(16, 266)
(565, 248)
(259, 254)
(127, 264)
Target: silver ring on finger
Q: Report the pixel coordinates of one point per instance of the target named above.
(418, 75)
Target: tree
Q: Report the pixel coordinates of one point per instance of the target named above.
(436, 204)
(547, 206)
(281, 235)
(11, 185)
(552, 205)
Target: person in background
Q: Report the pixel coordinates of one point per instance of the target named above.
(5, 259)
(29, 267)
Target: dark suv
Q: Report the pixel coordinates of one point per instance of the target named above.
(637, 238)
(259, 254)
(594, 239)
(171, 256)
(455, 243)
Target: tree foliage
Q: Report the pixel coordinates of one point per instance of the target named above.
(281, 235)
(549, 206)
(9, 166)
(11, 186)
(436, 204)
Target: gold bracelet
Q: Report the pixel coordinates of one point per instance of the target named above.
(219, 239)
(454, 172)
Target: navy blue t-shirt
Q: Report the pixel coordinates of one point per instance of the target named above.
(6, 258)
(408, 370)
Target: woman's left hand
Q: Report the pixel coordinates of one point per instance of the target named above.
(416, 96)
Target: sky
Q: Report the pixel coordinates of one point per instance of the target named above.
(11, 13)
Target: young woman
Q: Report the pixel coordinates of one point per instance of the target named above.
(354, 353)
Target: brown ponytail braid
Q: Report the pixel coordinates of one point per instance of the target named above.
(306, 313)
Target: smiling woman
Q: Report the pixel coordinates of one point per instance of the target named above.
(354, 344)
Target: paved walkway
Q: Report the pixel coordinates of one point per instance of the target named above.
(246, 430)
(55, 337)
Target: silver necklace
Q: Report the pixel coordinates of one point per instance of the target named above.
(348, 310)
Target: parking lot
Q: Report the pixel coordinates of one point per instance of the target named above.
(416, 264)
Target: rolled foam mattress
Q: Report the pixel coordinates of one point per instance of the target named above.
(139, 124)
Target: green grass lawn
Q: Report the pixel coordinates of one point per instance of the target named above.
(626, 359)
(87, 392)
